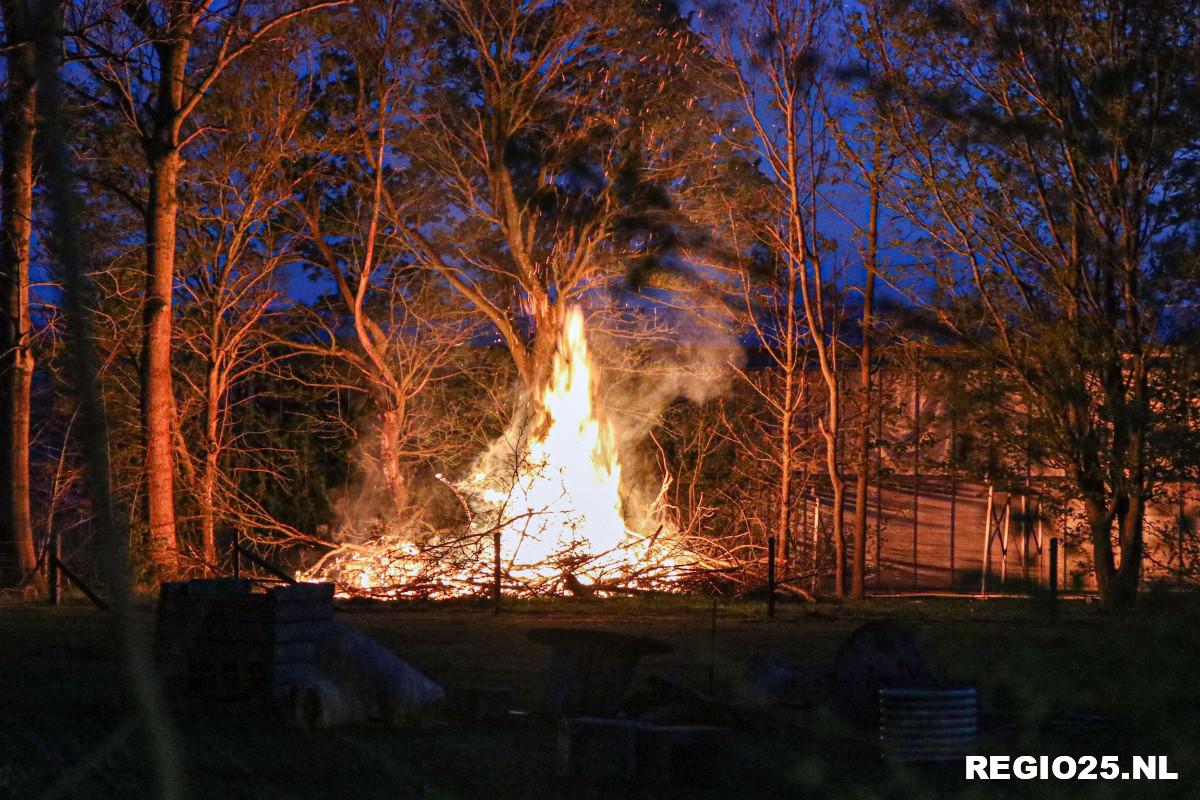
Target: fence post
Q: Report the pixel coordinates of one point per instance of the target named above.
(771, 577)
(1054, 577)
(53, 576)
(496, 572)
(1054, 567)
(986, 558)
(816, 544)
(712, 649)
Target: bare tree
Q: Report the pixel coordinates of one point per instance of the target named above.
(562, 142)
(232, 248)
(156, 62)
(16, 349)
(1051, 150)
(415, 338)
(867, 166)
(772, 434)
(389, 329)
(67, 245)
(772, 53)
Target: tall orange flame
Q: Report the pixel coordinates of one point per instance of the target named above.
(560, 510)
(552, 494)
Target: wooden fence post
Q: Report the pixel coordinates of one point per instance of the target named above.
(54, 578)
(496, 572)
(771, 577)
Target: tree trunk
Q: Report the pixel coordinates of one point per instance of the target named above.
(1119, 580)
(156, 359)
(208, 481)
(863, 454)
(1099, 521)
(784, 530)
(862, 483)
(548, 322)
(111, 520)
(389, 460)
(208, 513)
(838, 484)
(839, 534)
(1131, 521)
(1128, 578)
(16, 356)
(163, 160)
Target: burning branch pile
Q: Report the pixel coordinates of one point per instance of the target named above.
(546, 513)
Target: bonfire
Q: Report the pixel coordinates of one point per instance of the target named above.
(545, 508)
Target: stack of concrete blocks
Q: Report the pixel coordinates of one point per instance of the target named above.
(219, 639)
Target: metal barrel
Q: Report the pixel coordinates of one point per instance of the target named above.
(927, 724)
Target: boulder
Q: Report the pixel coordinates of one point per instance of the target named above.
(886, 653)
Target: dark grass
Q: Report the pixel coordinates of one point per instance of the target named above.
(61, 701)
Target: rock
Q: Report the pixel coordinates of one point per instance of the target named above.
(879, 654)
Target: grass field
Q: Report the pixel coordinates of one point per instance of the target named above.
(66, 729)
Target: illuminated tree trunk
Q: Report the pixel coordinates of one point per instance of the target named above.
(783, 106)
(164, 161)
(156, 99)
(1099, 520)
(1131, 516)
(157, 389)
(110, 519)
(1122, 513)
(16, 356)
(212, 454)
(831, 426)
(389, 458)
(548, 321)
(1131, 529)
(784, 524)
(838, 485)
(863, 454)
